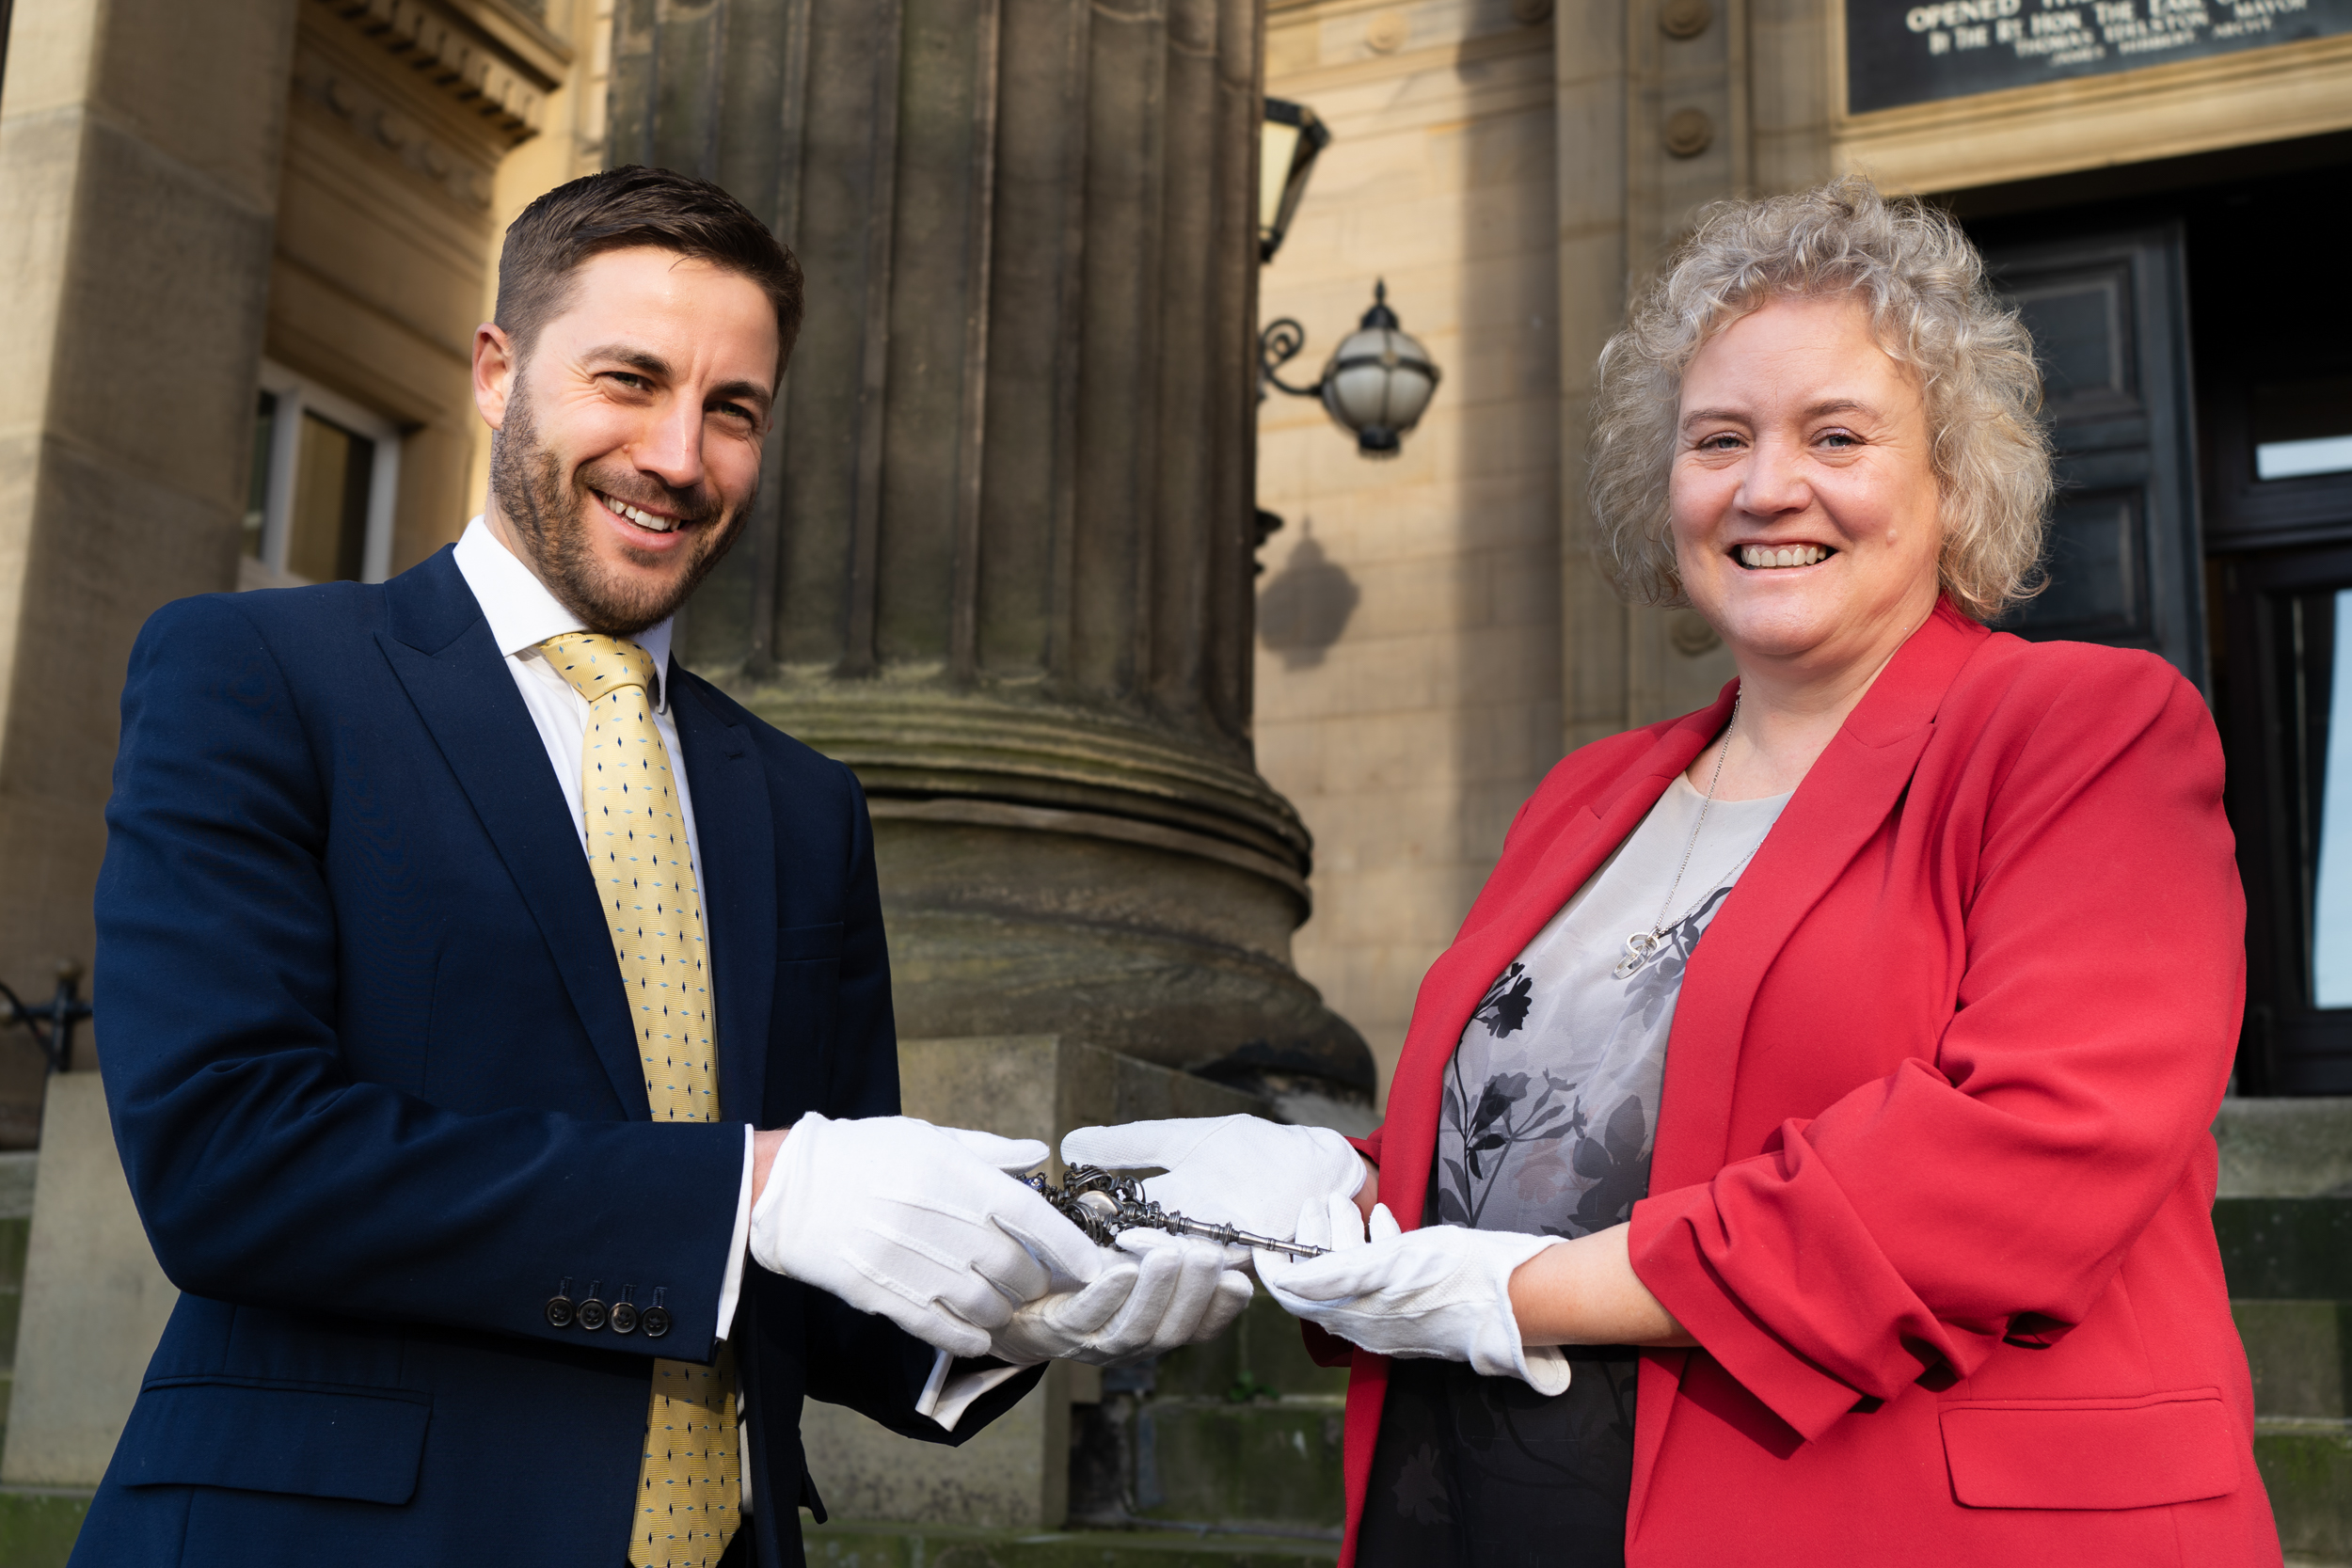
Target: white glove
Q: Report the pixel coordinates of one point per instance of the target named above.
(1440, 1294)
(923, 1225)
(1158, 1292)
(1242, 1171)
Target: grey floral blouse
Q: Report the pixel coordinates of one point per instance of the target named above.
(1551, 1102)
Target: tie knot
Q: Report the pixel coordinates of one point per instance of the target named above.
(596, 664)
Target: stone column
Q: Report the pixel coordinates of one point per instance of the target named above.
(1002, 559)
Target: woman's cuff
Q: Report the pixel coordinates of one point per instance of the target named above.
(1667, 1249)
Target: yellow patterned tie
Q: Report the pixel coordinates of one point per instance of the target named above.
(690, 1486)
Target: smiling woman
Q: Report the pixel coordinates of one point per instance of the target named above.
(1800, 1155)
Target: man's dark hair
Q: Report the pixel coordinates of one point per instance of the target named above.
(623, 208)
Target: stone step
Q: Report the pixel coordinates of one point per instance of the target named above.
(38, 1524)
(1260, 1463)
(1241, 1432)
(2300, 1353)
(2287, 1248)
(854, 1545)
(2305, 1464)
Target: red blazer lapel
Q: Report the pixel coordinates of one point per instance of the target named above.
(1842, 804)
(1540, 870)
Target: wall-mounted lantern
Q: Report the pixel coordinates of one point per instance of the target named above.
(1375, 385)
(1289, 137)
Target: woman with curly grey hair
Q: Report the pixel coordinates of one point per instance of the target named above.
(1801, 1154)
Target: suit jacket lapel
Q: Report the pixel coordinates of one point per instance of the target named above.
(1840, 806)
(440, 648)
(732, 823)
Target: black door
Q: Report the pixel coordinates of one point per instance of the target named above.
(2286, 697)
(2109, 320)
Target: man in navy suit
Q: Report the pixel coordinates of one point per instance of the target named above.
(525, 1166)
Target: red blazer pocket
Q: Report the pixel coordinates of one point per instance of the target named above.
(2137, 1452)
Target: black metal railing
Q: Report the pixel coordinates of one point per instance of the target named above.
(52, 1024)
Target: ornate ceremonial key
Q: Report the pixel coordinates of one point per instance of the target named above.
(1102, 1205)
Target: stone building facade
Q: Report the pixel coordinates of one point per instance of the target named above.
(2155, 195)
(248, 246)
(243, 244)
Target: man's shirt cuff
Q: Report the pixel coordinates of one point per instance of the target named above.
(947, 1396)
(731, 1285)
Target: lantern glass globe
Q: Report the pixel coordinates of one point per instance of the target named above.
(1379, 380)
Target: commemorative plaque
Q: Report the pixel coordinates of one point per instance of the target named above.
(1913, 51)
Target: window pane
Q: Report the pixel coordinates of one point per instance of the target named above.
(257, 488)
(2331, 913)
(326, 534)
(2328, 454)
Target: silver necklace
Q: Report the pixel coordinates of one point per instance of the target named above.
(1642, 946)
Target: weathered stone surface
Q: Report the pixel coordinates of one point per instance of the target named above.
(1254, 1462)
(2300, 1353)
(2287, 1248)
(139, 166)
(37, 1527)
(886, 1546)
(2307, 1468)
(2299, 1148)
(1242, 1430)
(95, 1300)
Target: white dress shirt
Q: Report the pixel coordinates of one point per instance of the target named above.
(522, 614)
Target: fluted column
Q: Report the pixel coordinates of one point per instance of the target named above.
(1001, 561)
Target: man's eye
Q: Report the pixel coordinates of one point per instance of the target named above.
(734, 411)
(634, 383)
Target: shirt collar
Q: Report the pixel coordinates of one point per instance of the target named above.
(523, 615)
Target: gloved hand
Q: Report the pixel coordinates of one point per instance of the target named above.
(923, 1225)
(1242, 1171)
(1440, 1294)
(1159, 1292)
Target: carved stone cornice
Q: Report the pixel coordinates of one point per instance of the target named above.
(459, 165)
(488, 57)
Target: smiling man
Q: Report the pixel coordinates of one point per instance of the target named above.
(464, 962)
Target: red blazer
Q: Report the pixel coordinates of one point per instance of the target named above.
(1932, 1185)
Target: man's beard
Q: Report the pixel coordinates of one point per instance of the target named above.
(547, 513)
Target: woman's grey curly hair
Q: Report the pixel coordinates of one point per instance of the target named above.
(1931, 308)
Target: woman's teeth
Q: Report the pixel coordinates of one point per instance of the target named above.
(642, 519)
(1781, 555)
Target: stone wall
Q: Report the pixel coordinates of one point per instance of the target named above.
(1408, 665)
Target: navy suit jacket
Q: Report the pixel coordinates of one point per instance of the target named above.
(376, 1092)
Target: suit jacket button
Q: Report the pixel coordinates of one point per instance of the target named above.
(656, 1321)
(623, 1316)
(558, 1306)
(591, 1311)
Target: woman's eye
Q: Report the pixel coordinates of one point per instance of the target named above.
(1838, 439)
(1721, 441)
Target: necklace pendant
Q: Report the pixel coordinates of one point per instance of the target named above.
(1639, 947)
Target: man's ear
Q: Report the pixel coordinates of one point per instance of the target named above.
(494, 367)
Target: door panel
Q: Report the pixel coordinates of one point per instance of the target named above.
(2109, 324)
(2098, 588)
